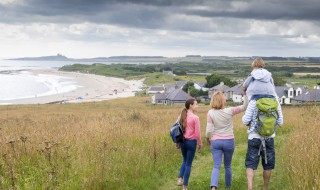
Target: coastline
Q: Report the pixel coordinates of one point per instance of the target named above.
(91, 88)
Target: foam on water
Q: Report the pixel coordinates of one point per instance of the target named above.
(21, 85)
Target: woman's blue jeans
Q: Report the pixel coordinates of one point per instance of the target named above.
(221, 147)
(188, 150)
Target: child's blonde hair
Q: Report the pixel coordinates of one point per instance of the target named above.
(217, 100)
(258, 63)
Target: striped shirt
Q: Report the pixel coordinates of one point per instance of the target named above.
(250, 119)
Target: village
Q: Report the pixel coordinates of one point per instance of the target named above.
(169, 94)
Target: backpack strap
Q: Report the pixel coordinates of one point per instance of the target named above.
(264, 148)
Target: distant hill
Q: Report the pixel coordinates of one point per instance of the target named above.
(193, 58)
(134, 57)
(60, 57)
(57, 57)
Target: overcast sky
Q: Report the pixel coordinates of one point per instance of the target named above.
(102, 28)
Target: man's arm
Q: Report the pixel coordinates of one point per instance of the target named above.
(247, 118)
(280, 116)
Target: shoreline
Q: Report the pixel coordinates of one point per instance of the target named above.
(90, 88)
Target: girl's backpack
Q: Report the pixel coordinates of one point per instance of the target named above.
(176, 133)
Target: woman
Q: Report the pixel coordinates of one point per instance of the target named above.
(220, 131)
(191, 125)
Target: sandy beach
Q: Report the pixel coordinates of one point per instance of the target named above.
(91, 88)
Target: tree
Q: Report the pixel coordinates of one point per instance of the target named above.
(194, 92)
(188, 85)
(278, 81)
(215, 79)
(203, 93)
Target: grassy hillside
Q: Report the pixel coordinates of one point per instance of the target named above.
(124, 144)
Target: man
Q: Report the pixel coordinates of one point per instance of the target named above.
(258, 145)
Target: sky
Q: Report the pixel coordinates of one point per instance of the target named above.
(170, 28)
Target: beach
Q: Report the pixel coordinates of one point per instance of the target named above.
(89, 88)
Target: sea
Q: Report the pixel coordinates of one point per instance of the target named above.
(18, 82)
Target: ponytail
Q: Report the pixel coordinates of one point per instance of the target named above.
(183, 118)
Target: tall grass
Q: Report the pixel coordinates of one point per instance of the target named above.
(124, 144)
(302, 151)
(112, 145)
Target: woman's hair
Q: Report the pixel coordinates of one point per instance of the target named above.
(217, 100)
(258, 63)
(183, 118)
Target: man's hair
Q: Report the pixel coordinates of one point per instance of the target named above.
(258, 63)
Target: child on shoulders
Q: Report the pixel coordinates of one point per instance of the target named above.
(259, 83)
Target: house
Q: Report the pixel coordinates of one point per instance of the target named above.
(175, 96)
(200, 86)
(220, 87)
(168, 73)
(155, 89)
(311, 96)
(170, 93)
(285, 94)
(235, 93)
(168, 87)
(159, 98)
(163, 88)
(181, 83)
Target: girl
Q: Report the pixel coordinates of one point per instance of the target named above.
(191, 125)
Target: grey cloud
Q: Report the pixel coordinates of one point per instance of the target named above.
(75, 11)
(206, 16)
(268, 10)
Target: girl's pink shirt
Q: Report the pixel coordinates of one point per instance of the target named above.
(192, 131)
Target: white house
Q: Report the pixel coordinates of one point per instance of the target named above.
(311, 96)
(285, 94)
(200, 86)
(235, 93)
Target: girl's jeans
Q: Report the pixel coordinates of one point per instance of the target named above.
(188, 150)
